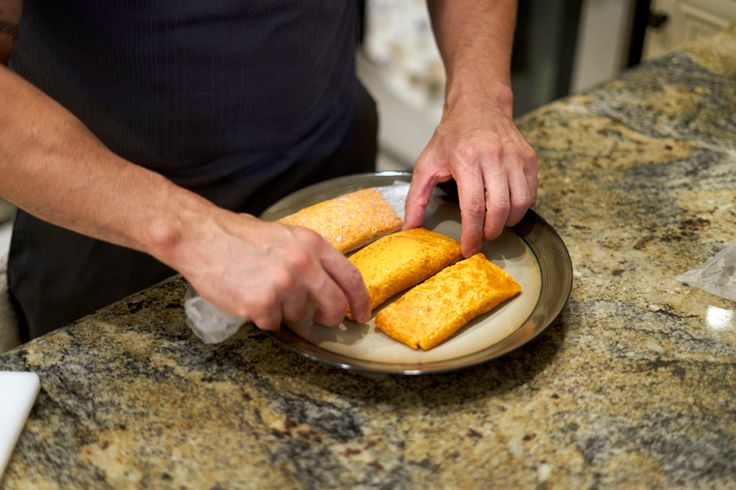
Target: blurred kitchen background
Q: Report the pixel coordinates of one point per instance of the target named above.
(560, 47)
(6, 216)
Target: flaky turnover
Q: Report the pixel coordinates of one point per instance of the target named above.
(348, 221)
(433, 311)
(400, 260)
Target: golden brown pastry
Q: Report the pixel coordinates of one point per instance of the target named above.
(433, 311)
(348, 221)
(400, 260)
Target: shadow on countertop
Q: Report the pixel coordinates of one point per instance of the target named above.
(494, 378)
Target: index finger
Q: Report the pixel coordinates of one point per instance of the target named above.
(348, 278)
(472, 199)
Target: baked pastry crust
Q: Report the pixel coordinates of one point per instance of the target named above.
(400, 260)
(433, 311)
(348, 221)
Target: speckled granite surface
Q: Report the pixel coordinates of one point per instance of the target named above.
(633, 386)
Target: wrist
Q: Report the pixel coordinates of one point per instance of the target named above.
(492, 96)
(183, 220)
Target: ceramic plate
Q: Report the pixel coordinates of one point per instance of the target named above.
(532, 252)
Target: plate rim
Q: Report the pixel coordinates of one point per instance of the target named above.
(529, 229)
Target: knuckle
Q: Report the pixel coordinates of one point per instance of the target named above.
(492, 149)
(514, 152)
(267, 319)
(500, 206)
(283, 280)
(309, 237)
(424, 165)
(529, 155)
(299, 259)
(354, 277)
(522, 201)
(467, 151)
(242, 311)
(476, 208)
(521, 206)
(266, 301)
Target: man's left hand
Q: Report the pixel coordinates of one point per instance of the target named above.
(478, 145)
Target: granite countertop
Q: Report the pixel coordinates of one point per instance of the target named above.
(634, 385)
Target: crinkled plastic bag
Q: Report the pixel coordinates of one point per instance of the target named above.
(207, 321)
(213, 325)
(717, 275)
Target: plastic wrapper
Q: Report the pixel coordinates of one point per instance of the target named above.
(717, 275)
(213, 325)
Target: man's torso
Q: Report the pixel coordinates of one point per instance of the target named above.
(198, 91)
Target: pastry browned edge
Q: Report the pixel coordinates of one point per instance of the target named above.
(433, 311)
(348, 221)
(398, 261)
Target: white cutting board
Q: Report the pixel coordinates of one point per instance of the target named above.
(18, 391)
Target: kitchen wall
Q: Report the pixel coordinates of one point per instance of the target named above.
(602, 43)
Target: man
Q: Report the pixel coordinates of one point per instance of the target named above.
(132, 135)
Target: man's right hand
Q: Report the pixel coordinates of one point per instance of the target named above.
(268, 272)
(54, 168)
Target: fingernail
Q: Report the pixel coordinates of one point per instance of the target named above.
(471, 252)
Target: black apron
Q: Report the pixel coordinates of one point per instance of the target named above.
(241, 102)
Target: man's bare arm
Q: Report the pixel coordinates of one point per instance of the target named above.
(475, 39)
(54, 168)
(476, 143)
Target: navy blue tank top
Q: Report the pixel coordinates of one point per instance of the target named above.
(200, 91)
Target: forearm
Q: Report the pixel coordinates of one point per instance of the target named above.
(475, 39)
(54, 168)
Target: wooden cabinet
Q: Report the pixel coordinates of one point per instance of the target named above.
(687, 20)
